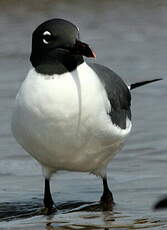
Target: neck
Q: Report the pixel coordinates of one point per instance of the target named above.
(55, 62)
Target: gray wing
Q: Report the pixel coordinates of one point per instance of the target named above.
(117, 92)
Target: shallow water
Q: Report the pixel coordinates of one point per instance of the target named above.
(131, 38)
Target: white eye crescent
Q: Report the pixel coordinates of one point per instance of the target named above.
(46, 33)
(44, 41)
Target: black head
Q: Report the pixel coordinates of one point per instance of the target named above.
(56, 47)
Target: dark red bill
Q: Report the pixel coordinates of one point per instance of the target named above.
(83, 49)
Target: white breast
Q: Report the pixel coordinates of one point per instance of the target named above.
(62, 121)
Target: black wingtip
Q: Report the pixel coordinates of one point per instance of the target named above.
(162, 204)
(138, 84)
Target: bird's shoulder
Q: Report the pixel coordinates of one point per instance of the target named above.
(117, 93)
(115, 87)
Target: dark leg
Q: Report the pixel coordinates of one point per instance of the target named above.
(48, 201)
(106, 200)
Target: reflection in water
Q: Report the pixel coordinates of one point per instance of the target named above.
(80, 215)
(14, 210)
(9, 211)
(109, 220)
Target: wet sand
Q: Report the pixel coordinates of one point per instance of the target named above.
(131, 38)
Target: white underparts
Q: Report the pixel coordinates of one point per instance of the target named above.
(63, 122)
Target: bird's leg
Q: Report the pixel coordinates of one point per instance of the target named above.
(48, 201)
(106, 200)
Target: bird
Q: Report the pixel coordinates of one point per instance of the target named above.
(70, 114)
(161, 204)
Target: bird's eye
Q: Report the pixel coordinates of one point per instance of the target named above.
(47, 37)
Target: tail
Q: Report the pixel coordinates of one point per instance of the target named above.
(138, 84)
